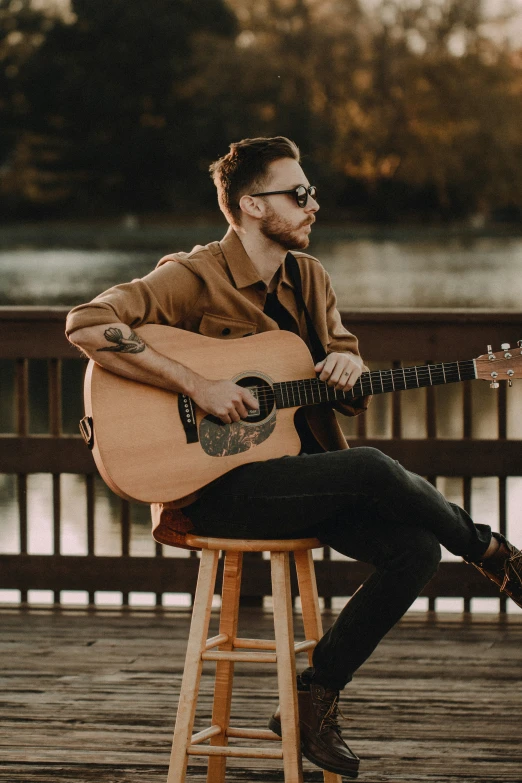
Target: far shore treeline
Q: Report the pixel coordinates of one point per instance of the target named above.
(406, 110)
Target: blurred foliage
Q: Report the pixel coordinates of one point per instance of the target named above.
(407, 109)
(97, 114)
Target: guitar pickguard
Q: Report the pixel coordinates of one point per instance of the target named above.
(222, 440)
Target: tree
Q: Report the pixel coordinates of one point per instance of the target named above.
(22, 32)
(409, 107)
(106, 93)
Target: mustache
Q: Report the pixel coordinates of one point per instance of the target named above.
(309, 222)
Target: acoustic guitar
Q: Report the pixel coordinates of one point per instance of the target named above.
(152, 445)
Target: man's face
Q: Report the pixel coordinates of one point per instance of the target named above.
(284, 222)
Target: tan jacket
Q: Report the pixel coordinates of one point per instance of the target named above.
(216, 290)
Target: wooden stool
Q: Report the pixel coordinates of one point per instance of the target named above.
(227, 648)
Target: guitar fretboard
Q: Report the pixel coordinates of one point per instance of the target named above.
(309, 391)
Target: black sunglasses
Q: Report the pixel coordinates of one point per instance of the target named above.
(300, 193)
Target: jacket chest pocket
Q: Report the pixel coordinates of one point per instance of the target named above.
(222, 327)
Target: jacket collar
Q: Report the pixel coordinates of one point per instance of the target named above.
(243, 271)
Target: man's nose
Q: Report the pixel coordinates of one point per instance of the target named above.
(312, 205)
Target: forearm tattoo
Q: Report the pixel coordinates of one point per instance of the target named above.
(131, 344)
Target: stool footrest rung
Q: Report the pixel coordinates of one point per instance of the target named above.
(307, 644)
(215, 641)
(234, 752)
(250, 645)
(232, 655)
(262, 734)
(254, 644)
(205, 734)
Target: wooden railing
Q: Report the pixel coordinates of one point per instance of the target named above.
(478, 436)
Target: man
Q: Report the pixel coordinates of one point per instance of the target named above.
(358, 501)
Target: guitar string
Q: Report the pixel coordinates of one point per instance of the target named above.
(294, 398)
(396, 380)
(399, 374)
(314, 384)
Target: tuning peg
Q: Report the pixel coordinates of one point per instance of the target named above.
(491, 355)
(505, 346)
(494, 385)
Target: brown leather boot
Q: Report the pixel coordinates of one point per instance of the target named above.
(321, 740)
(504, 568)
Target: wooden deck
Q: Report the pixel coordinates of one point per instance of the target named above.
(91, 696)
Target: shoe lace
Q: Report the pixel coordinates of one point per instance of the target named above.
(512, 566)
(332, 713)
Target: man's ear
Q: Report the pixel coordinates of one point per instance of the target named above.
(250, 207)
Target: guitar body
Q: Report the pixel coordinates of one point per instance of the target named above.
(140, 444)
(155, 446)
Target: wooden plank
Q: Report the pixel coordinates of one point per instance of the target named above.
(44, 454)
(453, 457)
(36, 332)
(69, 454)
(444, 335)
(396, 409)
(55, 397)
(179, 575)
(91, 696)
(22, 397)
(36, 339)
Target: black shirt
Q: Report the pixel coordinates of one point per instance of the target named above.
(275, 310)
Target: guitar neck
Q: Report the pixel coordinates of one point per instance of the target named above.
(310, 391)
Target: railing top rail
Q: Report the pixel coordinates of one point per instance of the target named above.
(385, 334)
(405, 314)
(33, 313)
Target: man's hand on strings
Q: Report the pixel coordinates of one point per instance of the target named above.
(340, 370)
(224, 399)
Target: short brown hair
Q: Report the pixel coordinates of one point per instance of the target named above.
(244, 168)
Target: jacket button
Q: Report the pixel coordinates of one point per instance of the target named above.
(226, 330)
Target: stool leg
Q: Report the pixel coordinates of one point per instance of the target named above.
(225, 669)
(313, 626)
(284, 637)
(193, 666)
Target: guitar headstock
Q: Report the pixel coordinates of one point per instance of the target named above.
(505, 365)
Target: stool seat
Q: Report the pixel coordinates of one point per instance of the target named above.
(227, 649)
(253, 544)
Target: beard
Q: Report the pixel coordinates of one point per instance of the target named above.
(284, 232)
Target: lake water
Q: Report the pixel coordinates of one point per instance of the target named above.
(425, 273)
(446, 273)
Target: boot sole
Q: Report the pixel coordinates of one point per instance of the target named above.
(275, 726)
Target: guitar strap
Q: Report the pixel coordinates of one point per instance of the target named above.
(318, 351)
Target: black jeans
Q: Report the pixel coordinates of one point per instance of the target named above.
(361, 503)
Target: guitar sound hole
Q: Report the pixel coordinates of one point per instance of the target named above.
(264, 394)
